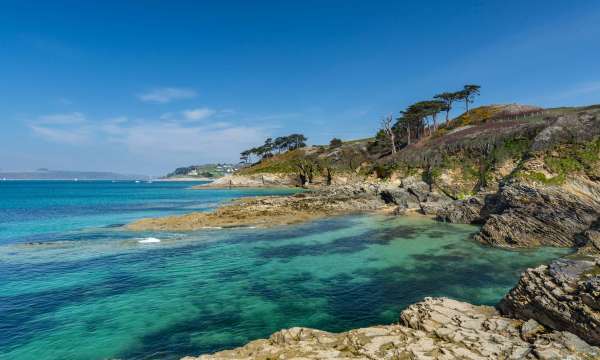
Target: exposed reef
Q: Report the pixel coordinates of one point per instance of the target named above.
(273, 210)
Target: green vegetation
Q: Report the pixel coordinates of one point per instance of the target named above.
(279, 145)
(460, 156)
(420, 119)
(513, 148)
(567, 159)
(536, 176)
(574, 158)
(335, 143)
(283, 164)
(203, 171)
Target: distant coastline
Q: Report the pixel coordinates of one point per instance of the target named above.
(45, 174)
(191, 179)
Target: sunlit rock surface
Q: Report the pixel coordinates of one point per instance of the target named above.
(436, 328)
(564, 295)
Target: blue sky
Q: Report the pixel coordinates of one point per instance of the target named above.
(145, 86)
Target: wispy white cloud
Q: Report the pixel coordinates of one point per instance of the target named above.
(70, 128)
(166, 95)
(61, 135)
(198, 114)
(154, 138)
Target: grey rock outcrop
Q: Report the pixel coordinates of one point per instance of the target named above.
(414, 195)
(564, 295)
(576, 127)
(529, 216)
(474, 210)
(434, 329)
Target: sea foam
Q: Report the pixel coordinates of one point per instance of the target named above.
(149, 240)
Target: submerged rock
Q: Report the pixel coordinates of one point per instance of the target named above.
(436, 328)
(564, 296)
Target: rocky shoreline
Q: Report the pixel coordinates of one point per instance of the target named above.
(267, 211)
(553, 313)
(519, 214)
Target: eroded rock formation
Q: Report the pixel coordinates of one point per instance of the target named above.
(564, 295)
(437, 328)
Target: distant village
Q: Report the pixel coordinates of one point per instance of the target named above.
(206, 170)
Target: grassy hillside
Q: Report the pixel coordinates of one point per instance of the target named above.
(476, 150)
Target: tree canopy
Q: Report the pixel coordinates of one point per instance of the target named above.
(421, 118)
(279, 145)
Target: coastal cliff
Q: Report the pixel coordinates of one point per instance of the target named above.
(537, 324)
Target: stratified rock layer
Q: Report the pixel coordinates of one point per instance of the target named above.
(437, 328)
(564, 296)
(542, 216)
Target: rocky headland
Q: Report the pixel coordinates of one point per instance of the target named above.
(528, 180)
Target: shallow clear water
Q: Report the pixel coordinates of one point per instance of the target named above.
(76, 286)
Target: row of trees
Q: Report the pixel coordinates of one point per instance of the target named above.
(277, 145)
(422, 116)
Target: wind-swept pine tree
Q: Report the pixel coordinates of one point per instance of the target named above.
(468, 93)
(448, 98)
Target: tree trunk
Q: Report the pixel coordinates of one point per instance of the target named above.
(393, 139)
(329, 176)
(408, 133)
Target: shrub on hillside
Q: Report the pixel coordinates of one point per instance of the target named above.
(335, 142)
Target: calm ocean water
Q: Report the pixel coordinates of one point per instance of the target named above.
(74, 285)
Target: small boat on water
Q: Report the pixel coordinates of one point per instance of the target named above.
(137, 181)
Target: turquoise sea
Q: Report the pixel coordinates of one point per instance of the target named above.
(75, 285)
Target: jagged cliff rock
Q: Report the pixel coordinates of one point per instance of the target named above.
(551, 198)
(542, 216)
(564, 295)
(474, 210)
(437, 328)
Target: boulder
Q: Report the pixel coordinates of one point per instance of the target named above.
(564, 296)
